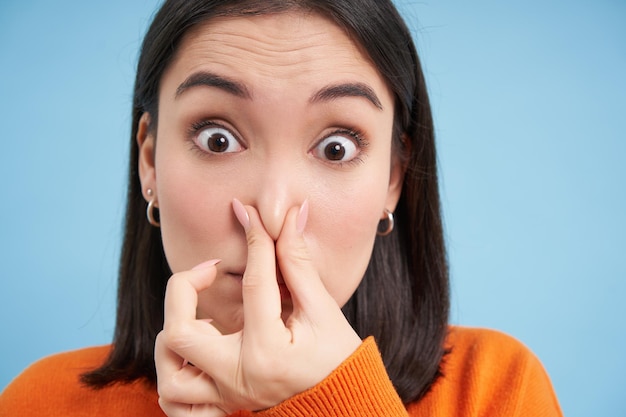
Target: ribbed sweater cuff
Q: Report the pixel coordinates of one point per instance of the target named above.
(360, 386)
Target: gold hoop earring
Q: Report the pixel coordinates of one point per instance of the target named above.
(390, 224)
(150, 210)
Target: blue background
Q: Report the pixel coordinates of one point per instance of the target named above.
(529, 101)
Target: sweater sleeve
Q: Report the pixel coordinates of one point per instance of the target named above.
(360, 386)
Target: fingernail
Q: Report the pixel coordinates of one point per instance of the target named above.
(303, 216)
(241, 214)
(206, 264)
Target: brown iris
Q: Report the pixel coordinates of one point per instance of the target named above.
(335, 151)
(217, 142)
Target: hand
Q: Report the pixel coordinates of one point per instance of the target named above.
(270, 359)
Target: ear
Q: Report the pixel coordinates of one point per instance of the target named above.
(396, 175)
(146, 144)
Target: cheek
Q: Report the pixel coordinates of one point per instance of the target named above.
(341, 234)
(195, 216)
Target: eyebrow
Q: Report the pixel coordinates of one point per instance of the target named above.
(336, 91)
(208, 79)
(328, 93)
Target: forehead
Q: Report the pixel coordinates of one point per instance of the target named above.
(275, 50)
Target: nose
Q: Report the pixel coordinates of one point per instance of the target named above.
(276, 189)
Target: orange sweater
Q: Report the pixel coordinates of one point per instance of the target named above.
(486, 374)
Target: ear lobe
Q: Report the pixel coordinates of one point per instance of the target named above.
(146, 144)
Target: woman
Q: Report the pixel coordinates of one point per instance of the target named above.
(283, 187)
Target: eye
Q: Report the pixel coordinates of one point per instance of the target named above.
(336, 148)
(217, 139)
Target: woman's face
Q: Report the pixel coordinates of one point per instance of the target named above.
(271, 110)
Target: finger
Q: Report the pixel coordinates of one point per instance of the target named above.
(197, 342)
(305, 285)
(173, 409)
(261, 296)
(180, 382)
(184, 337)
(313, 304)
(181, 295)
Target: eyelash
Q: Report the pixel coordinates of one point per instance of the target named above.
(355, 134)
(196, 127)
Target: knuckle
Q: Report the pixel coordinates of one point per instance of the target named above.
(173, 282)
(177, 336)
(295, 252)
(252, 282)
(255, 238)
(166, 406)
(170, 391)
(159, 340)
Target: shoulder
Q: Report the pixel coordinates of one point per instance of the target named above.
(78, 360)
(59, 369)
(489, 373)
(488, 344)
(52, 387)
(493, 363)
(483, 357)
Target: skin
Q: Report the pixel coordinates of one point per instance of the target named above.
(294, 230)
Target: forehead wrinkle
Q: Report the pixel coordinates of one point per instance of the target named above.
(279, 40)
(288, 53)
(272, 66)
(272, 35)
(277, 53)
